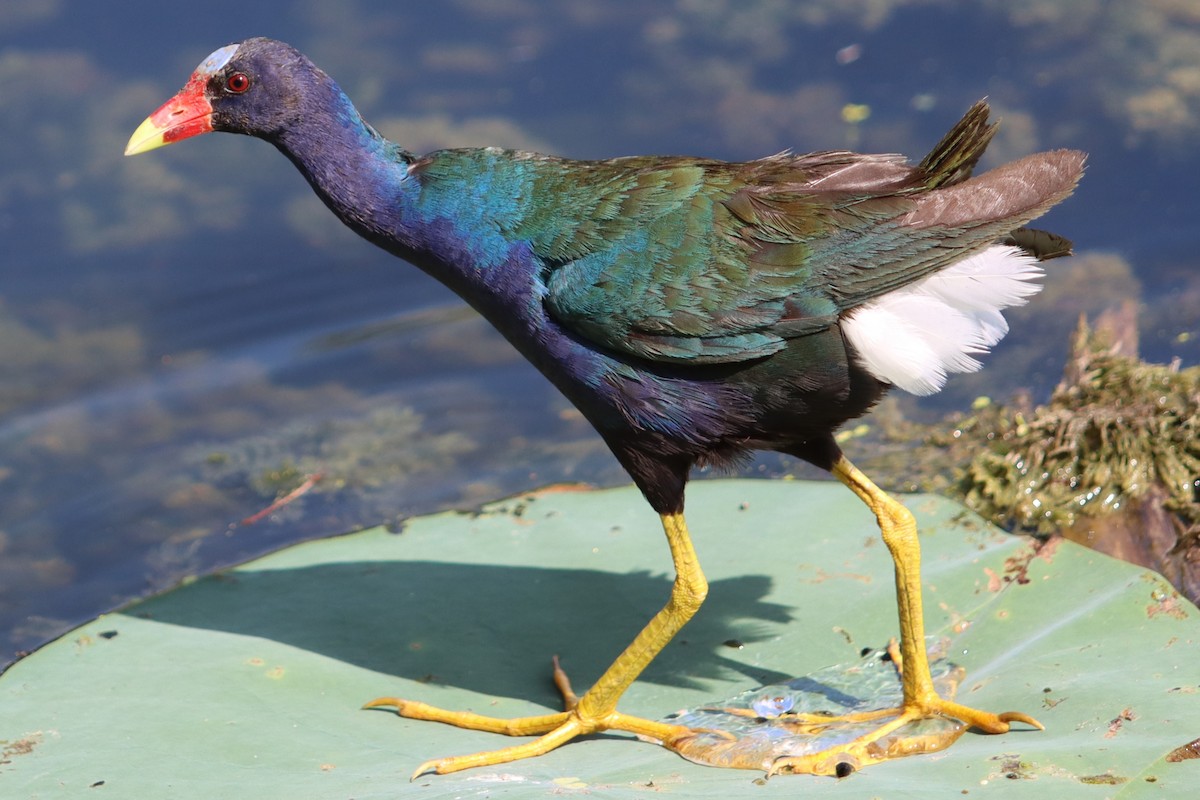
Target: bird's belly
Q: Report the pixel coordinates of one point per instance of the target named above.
(718, 413)
(705, 413)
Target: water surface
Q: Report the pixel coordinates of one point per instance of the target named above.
(187, 334)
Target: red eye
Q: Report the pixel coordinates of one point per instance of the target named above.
(238, 82)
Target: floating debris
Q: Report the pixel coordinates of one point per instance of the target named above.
(1185, 752)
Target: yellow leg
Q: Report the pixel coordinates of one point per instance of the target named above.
(899, 531)
(597, 709)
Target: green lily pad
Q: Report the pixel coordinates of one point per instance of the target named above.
(248, 683)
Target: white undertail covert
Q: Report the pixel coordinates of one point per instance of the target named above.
(915, 336)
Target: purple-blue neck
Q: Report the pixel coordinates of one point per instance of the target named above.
(367, 182)
(443, 229)
(361, 176)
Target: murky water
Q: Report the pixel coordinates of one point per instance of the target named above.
(186, 335)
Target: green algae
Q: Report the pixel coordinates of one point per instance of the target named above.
(1112, 460)
(1113, 431)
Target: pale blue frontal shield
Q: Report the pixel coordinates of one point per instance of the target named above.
(218, 59)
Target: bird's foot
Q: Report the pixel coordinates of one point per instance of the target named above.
(552, 730)
(899, 736)
(809, 723)
(836, 720)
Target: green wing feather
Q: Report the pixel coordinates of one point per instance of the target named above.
(692, 261)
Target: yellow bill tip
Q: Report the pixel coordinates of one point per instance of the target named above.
(148, 136)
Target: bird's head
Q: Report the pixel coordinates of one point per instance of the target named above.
(251, 87)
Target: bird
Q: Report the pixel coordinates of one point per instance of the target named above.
(694, 310)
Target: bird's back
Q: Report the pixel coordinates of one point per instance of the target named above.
(696, 261)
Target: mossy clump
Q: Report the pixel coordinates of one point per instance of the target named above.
(1112, 460)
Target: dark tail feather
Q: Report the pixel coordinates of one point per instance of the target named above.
(956, 155)
(1042, 245)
